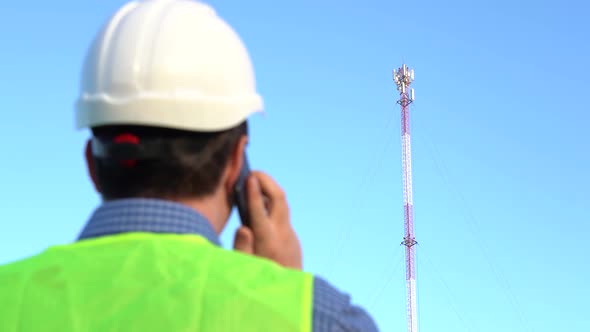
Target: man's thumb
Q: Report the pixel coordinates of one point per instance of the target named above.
(244, 240)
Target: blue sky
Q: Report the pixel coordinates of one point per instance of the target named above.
(500, 138)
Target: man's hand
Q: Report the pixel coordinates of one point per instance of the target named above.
(270, 234)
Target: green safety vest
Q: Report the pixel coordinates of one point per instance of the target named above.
(152, 282)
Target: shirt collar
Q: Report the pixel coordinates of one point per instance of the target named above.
(147, 215)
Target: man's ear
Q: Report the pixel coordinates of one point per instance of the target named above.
(91, 166)
(234, 165)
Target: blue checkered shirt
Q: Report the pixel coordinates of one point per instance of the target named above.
(332, 310)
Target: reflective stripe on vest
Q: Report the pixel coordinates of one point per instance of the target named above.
(148, 282)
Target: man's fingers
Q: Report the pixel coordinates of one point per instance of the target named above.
(256, 206)
(269, 186)
(277, 201)
(270, 228)
(244, 240)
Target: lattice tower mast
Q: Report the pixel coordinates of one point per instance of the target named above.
(403, 78)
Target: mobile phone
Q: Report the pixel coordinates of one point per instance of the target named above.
(241, 194)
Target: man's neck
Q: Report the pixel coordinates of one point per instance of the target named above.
(213, 207)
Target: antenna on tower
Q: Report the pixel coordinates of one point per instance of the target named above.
(403, 78)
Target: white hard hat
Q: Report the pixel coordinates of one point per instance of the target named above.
(167, 63)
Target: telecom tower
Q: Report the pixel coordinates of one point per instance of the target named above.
(403, 78)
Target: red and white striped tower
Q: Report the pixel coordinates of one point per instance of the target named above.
(403, 78)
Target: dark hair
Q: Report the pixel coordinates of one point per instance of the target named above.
(191, 167)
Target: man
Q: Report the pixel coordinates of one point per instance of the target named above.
(166, 90)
